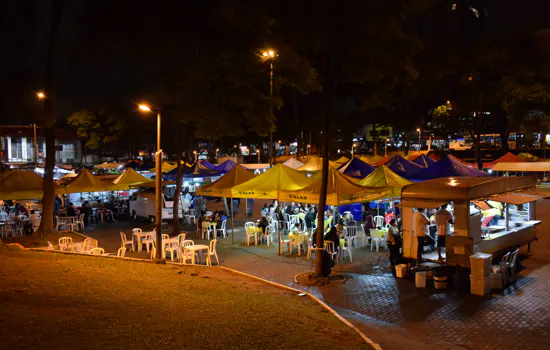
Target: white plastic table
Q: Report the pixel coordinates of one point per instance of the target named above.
(140, 236)
(195, 248)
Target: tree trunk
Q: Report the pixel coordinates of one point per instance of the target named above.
(47, 223)
(405, 147)
(179, 178)
(374, 139)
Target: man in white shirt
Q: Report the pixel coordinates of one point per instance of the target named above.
(443, 219)
(421, 230)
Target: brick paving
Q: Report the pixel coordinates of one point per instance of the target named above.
(396, 314)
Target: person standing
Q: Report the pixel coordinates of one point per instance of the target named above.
(200, 206)
(443, 219)
(394, 244)
(421, 230)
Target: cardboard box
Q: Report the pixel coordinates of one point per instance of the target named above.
(480, 285)
(420, 279)
(401, 270)
(480, 264)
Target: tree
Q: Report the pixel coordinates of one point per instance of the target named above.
(99, 127)
(48, 121)
(353, 46)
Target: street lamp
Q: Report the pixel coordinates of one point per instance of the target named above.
(308, 151)
(40, 95)
(386, 150)
(352, 149)
(268, 55)
(158, 187)
(217, 153)
(419, 141)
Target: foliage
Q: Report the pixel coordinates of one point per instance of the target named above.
(98, 127)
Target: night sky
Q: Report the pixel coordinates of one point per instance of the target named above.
(108, 50)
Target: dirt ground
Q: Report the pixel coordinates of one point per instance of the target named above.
(51, 300)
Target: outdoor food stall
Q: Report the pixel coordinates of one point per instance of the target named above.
(491, 214)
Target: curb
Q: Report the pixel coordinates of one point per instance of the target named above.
(314, 298)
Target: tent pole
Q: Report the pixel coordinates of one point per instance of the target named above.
(232, 225)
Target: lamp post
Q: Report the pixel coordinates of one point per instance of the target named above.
(308, 151)
(386, 149)
(158, 188)
(419, 141)
(217, 154)
(40, 95)
(352, 149)
(269, 55)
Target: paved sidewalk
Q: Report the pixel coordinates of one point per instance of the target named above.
(393, 312)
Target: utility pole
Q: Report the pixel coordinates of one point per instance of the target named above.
(34, 146)
(268, 55)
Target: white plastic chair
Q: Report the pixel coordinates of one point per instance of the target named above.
(206, 229)
(366, 238)
(97, 251)
(212, 252)
(184, 256)
(64, 243)
(310, 248)
(347, 249)
(83, 247)
(175, 248)
(51, 246)
(222, 229)
(59, 223)
(149, 240)
(331, 250)
(121, 252)
(190, 216)
(250, 232)
(351, 233)
(379, 221)
(125, 241)
(80, 222)
(267, 234)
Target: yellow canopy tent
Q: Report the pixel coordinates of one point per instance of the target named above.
(342, 160)
(383, 177)
(315, 164)
(341, 189)
(166, 167)
(127, 179)
(108, 166)
(20, 184)
(222, 187)
(83, 182)
(371, 159)
(270, 184)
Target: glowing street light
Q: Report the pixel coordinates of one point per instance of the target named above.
(158, 186)
(269, 55)
(41, 95)
(386, 150)
(419, 141)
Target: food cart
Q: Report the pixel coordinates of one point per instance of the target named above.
(473, 230)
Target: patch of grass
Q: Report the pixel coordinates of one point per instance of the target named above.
(60, 301)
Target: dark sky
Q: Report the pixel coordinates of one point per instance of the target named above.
(107, 49)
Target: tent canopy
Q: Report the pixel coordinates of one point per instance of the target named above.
(382, 161)
(222, 187)
(341, 189)
(315, 164)
(108, 166)
(527, 157)
(371, 159)
(20, 184)
(83, 182)
(448, 166)
(166, 167)
(356, 168)
(507, 158)
(129, 178)
(402, 166)
(422, 160)
(293, 163)
(207, 164)
(523, 166)
(342, 160)
(225, 166)
(270, 184)
(384, 177)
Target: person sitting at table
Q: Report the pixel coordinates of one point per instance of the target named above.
(35, 218)
(265, 210)
(70, 210)
(22, 209)
(290, 209)
(16, 216)
(333, 236)
(264, 223)
(3, 215)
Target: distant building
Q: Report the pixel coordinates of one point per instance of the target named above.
(17, 145)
